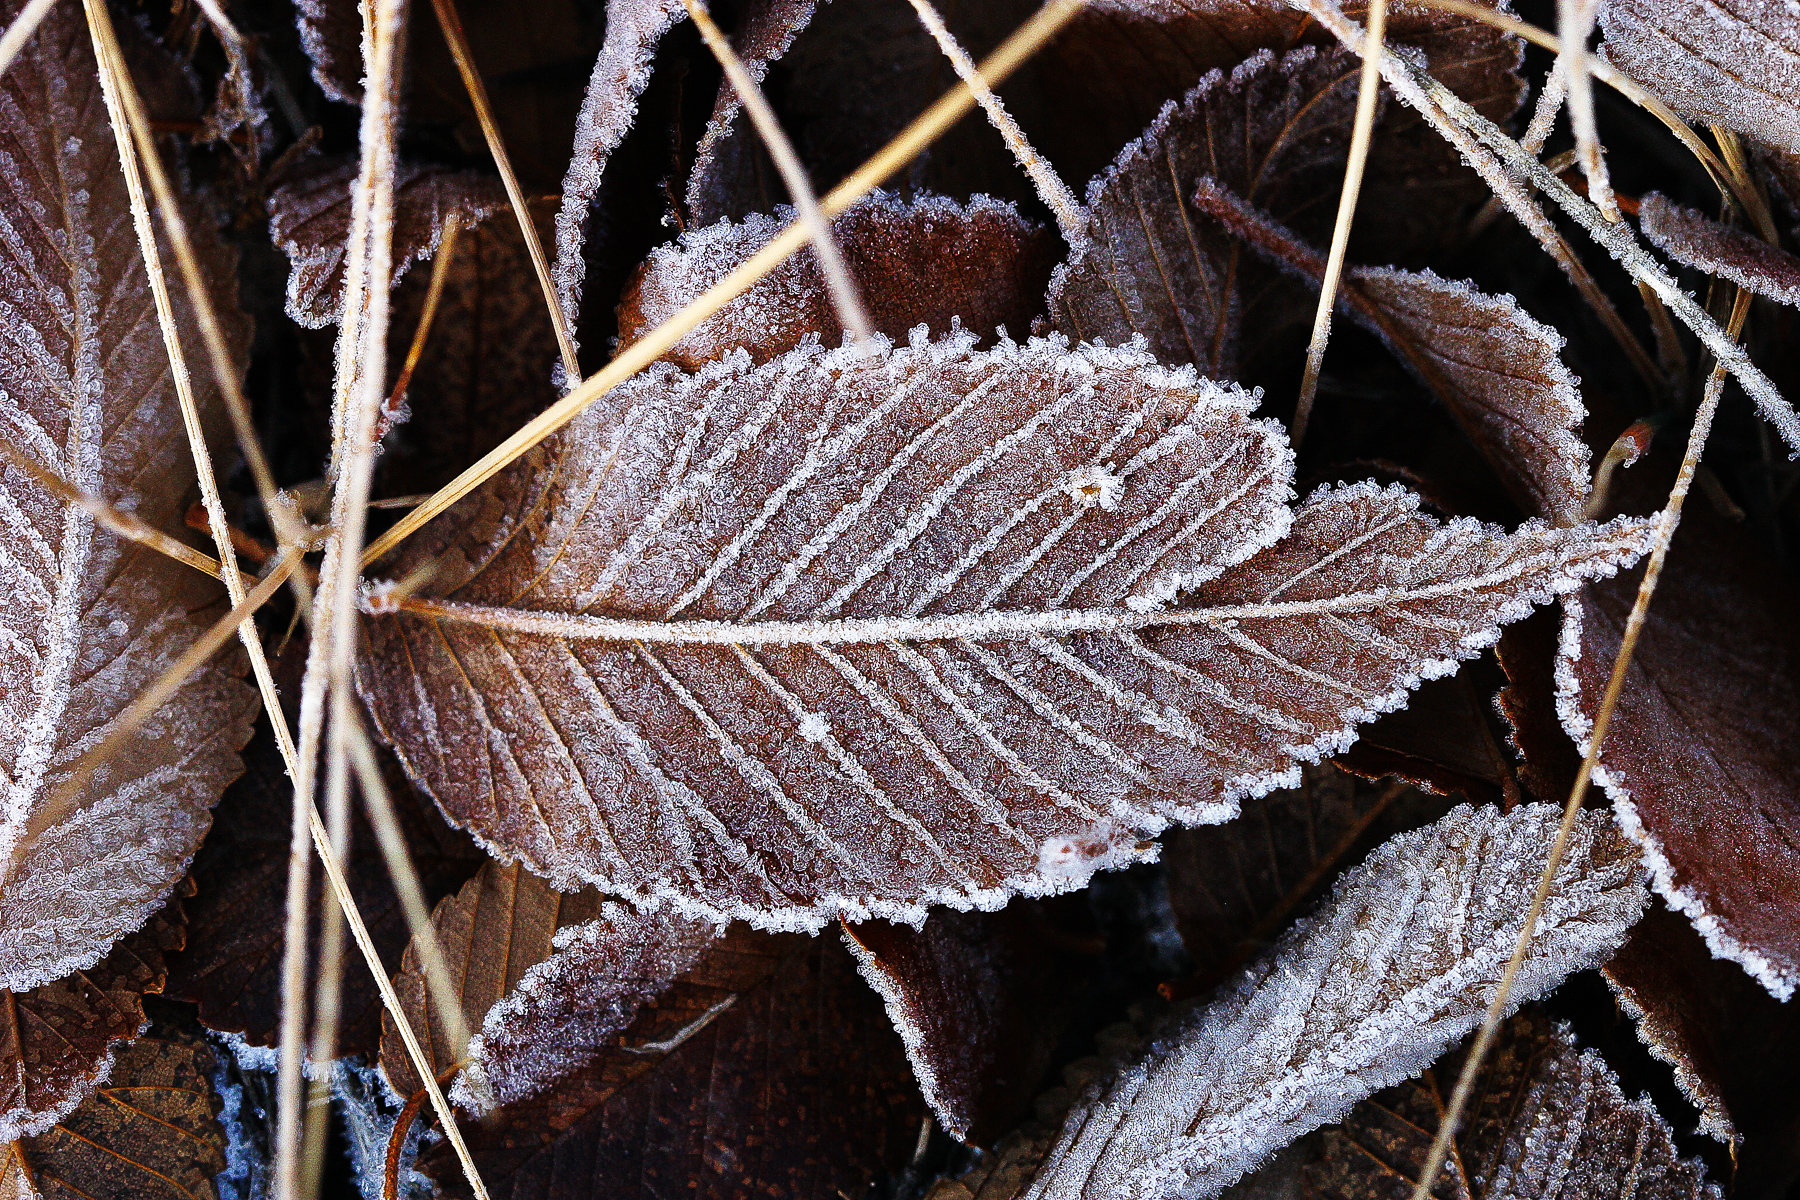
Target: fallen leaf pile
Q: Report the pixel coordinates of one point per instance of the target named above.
(967, 686)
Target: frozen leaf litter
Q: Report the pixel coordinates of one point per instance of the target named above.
(1130, 739)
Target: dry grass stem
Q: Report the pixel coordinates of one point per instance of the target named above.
(1575, 22)
(451, 25)
(19, 32)
(1071, 217)
(640, 354)
(1368, 92)
(440, 271)
(1666, 523)
(844, 295)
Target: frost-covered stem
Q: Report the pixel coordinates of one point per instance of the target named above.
(199, 296)
(451, 24)
(1368, 92)
(1622, 244)
(844, 294)
(1574, 22)
(20, 31)
(1071, 218)
(1549, 104)
(1666, 523)
(1399, 75)
(890, 158)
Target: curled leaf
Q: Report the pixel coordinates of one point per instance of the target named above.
(91, 621)
(924, 261)
(1400, 962)
(1695, 240)
(852, 635)
(309, 218)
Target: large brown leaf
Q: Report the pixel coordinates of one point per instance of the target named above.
(925, 261)
(309, 218)
(1395, 966)
(766, 1069)
(1732, 1045)
(491, 932)
(1734, 62)
(1547, 1120)
(1699, 759)
(232, 964)
(91, 621)
(151, 1133)
(981, 1001)
(57, 1040)
(848, 635)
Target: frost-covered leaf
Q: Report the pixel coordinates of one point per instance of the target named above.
(89, 621)
(1695, 240)
(1699, 759)
(568, 1010)
(331, 34)
(57, 1040)
(309, 218)
(620, 74)
(1274, 131)
(1499, 371)
(1446, 740)
(1733, 62)
(768, 1068)
(1400, 962)
(1732, 1045)
(1547, 1120)
(1105, 78)
(852, 635)
(151, 1133)
(497, 927)
(765, 31)
(1235, 887)
(487, 364)
(231, 967)
(981, 1001)
(927, 260)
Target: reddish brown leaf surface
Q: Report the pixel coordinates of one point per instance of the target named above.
(151, 1133)
(767, 1069)
(1732, 1045)
(1446, 740)
(1548, 759)
(1699, 760)
(1235, 887)
(92, 621)
(309, 218)
(232, 964)
(1730, 61)
(57, 1040)
(497, 927)
(924, 261)
(1546, 1120)
(945, 605)
(487, 363)
(981, 1000)
(1695, 240)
